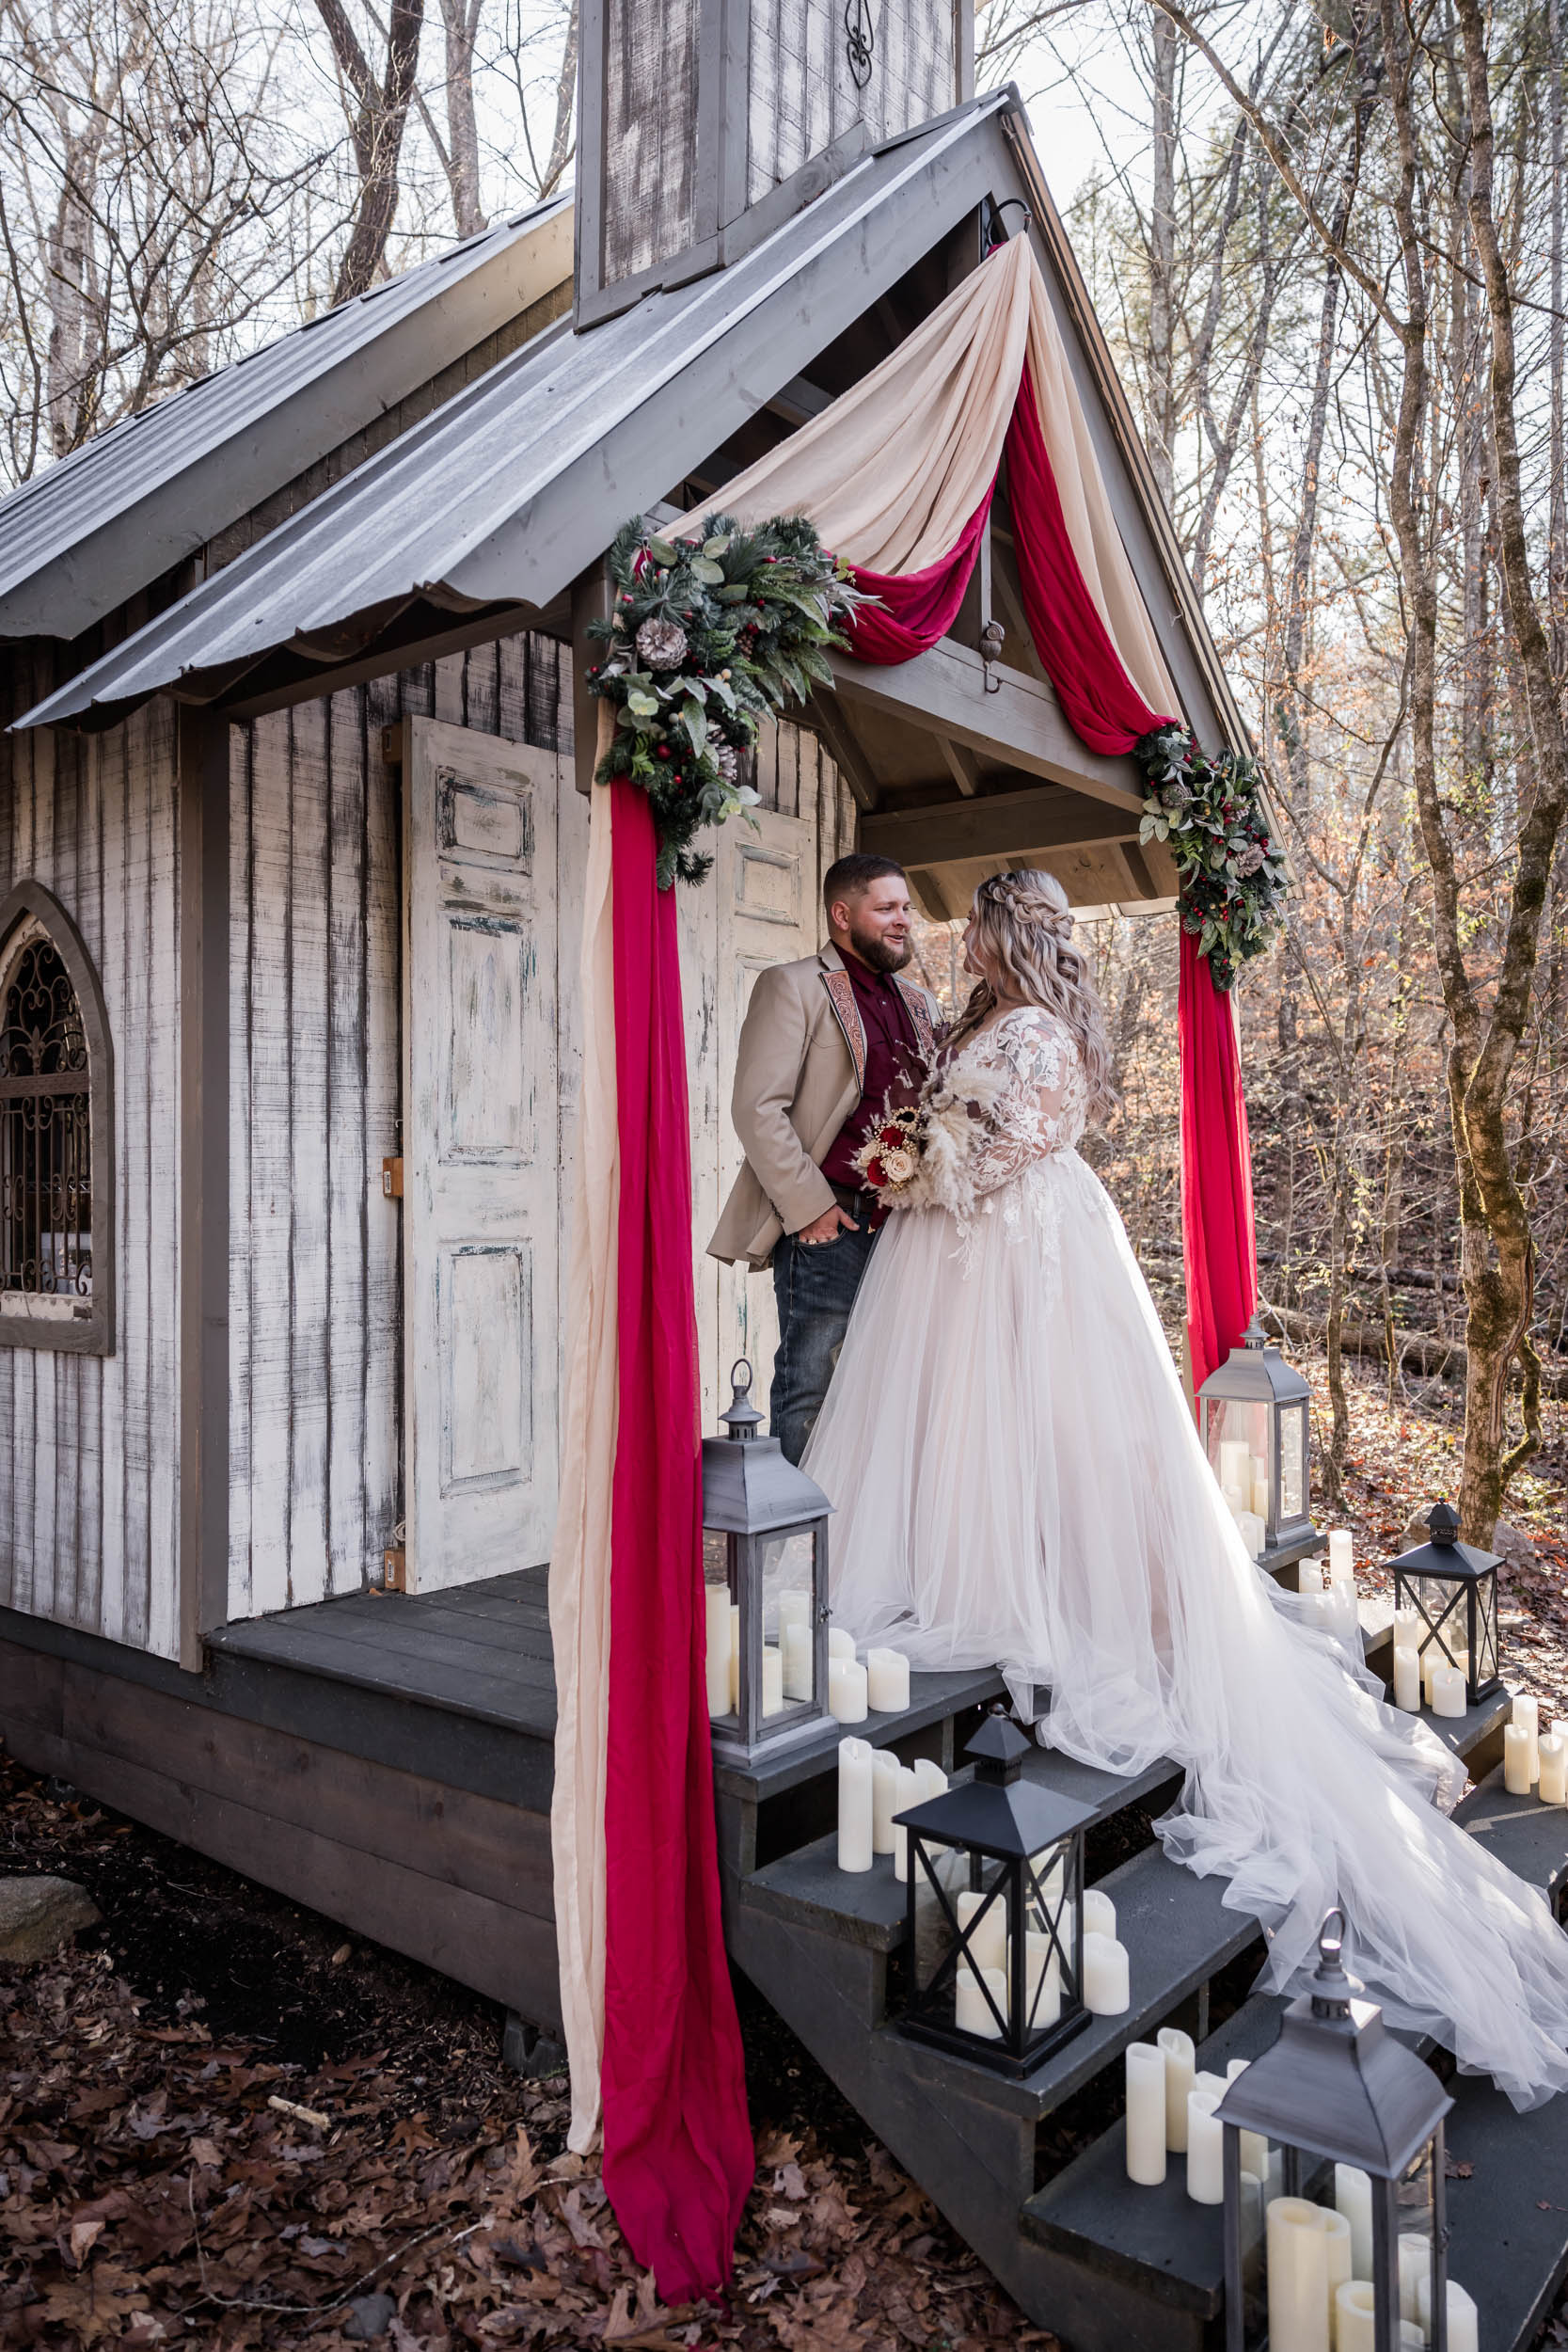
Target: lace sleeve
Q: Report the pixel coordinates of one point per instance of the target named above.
(1035, 1112)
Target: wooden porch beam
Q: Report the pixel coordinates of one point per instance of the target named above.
(823, 713)
(1000, 824)
(964, 766)
(1021, 723)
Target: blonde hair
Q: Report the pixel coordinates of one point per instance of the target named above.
(1023, 923)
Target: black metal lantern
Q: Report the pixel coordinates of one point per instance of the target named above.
(1358, 2120)
(1254, 1414)
(1452, 1588)
(765, 1578)
(996, 1911)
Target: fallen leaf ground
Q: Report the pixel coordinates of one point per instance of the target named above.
(224, 2125)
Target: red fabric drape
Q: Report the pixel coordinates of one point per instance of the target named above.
(677, 2148)
(1107, 713)
(916, 608)
(1218, 1238)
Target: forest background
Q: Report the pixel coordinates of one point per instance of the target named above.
(1327, 246)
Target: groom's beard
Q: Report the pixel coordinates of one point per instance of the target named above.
(879, 953)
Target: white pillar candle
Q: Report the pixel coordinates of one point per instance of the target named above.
(1099, 1913)
(1337, 2232)
(1274, 2186)
(716, 1607)
(1344, 1618)
(1447, 1693)
(1355, 2320)
(1205, 2150)
(1415, 2266)
(1526, 1715)
(1177, 2049)
(988, 1943)
(1559, 1726)
(1407, 1680)
(1203, 2080)
(1260, 1489)
(854, 1805)
(1254, 2205)
(1145, 2114)
(1552, 1749)
(798, 1661)
(772, 1679)
(1310, 1577)
(1342, 1556)
(1235, 1463)
(1464, 2319)
(793, 1609)
(1255, 2148)
(841, 1645)
(1517, 1745)
(846, 1691)
(734, 1654)
(909, 1795)
(929, 1778)
(1107, 1990)
(1250, 1527)
(972, 2011)
(888, 1681)
(1434, 1662)
(885, 1769)
(1298, 2275)
(1352, 2197)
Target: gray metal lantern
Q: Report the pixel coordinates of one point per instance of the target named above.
(1356, 2207)
(1452, 1588)
(1254, 1413)
(764, 1579)
(996, 1911)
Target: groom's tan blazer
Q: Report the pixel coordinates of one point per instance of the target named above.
(798, 1073)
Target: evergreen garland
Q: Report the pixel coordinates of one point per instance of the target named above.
(708, 637)
(1211, 813)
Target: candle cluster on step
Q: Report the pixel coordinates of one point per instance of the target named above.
(1245, 1483)
(874, 1787)
(880, 1687)
(1533, 1758)
(1108, 1969)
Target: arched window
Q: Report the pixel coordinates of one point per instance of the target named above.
(56, 1134)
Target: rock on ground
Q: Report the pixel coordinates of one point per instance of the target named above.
(40, 1916)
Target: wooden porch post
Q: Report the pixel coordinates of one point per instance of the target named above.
(202, 775)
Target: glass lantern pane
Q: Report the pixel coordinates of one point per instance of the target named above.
(1485, 1665)
(1440, 1627)
(1417, 2230)
(962, 1938)
(1051, 1910)
(1238, 1438)
(1292, 1462)
(789, 1616)
(723, 1627)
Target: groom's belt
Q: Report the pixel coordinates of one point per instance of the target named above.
(854, 1197)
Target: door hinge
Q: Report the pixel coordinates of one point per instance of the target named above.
(394, 1562)
(392, 1179)
(391, 746)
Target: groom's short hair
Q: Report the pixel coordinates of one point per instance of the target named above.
(851, 876)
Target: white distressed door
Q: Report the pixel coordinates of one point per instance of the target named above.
(480, 1153)
(758, 907)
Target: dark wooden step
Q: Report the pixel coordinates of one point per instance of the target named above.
(1507, 2214)
(933, 1699)
(1528, 1837)
(808, 1889)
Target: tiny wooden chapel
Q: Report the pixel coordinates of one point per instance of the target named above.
(294, 846)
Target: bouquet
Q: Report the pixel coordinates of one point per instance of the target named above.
(889, 1158)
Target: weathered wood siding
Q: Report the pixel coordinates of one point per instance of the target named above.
(315, 1285)
(802, 91)
(89, 1464)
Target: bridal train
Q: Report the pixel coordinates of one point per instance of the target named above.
(1017, 1481)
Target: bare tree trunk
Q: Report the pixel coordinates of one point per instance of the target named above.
(376, 128)
(1557, 510)
(460, 19)
(1161, 262)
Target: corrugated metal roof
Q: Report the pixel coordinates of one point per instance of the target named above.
(90, 531)
(507, 491)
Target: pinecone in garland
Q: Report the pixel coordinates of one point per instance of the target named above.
(727, 760)
(662, 644)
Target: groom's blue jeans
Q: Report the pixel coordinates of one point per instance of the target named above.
(815, 1289)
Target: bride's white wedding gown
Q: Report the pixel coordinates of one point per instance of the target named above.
(1019, 1482)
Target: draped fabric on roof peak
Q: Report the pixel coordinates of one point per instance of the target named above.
(897, 476)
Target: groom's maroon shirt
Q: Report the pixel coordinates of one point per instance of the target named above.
(892, 1071)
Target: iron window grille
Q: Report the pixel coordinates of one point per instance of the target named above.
(55, 1175)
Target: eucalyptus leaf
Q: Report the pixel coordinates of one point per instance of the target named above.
(662, 552)
(711, 575)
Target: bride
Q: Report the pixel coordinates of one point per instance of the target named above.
(1018, 1481)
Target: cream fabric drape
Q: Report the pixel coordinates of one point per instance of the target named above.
(891, 471)
(580, 1565)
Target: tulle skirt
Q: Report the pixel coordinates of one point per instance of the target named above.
(1017, 1481)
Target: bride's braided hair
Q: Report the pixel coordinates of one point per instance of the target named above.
(1023, 922)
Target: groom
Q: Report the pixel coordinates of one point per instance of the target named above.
(826, 1045)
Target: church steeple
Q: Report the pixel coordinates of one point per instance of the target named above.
(701, 124)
